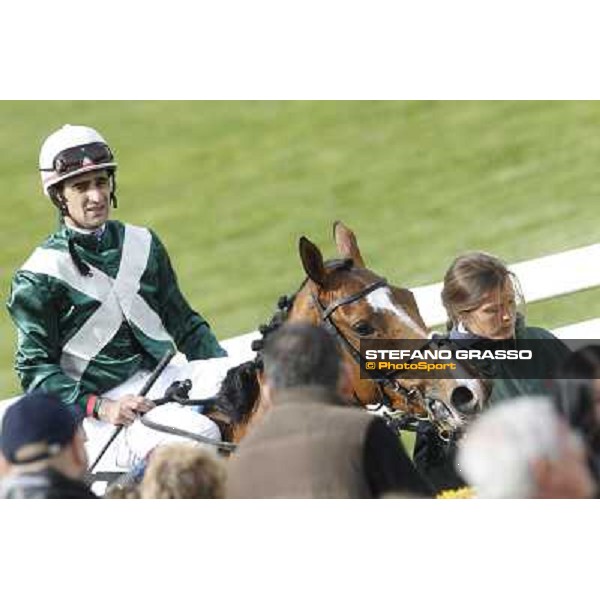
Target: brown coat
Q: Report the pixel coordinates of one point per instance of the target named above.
(312, 445)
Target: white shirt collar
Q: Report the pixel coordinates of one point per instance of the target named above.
(96, 232)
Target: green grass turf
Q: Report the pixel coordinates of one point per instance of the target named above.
(230, 186)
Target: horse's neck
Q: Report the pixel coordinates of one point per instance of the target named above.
(303, 308)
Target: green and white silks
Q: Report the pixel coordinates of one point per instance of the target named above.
(78, 334)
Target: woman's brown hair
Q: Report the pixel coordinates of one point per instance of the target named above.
(469, 278)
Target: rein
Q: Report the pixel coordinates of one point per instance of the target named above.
(178, 392)
(226, 446)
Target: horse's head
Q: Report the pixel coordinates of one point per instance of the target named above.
(355, 303)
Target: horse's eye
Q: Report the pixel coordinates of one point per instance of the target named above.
(363, 328)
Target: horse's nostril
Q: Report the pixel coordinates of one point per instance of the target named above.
(463, 400)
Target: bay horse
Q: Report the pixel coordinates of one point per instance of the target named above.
(354, 303)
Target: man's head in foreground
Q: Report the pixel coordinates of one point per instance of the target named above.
(39, 432)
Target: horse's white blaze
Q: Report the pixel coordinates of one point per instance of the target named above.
(381, 299)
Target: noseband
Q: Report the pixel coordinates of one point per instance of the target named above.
(385, 379)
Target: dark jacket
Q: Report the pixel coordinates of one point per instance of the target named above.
(435, 458)
(46, 483)
(312, 445)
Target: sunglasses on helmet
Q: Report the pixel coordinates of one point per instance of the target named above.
(72, 159)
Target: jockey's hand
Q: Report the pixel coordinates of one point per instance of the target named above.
(124, 410)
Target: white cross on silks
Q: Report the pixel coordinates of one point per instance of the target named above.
(119, 298)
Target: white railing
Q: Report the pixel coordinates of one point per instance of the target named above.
(541, 278)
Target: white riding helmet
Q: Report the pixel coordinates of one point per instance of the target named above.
(72, 150)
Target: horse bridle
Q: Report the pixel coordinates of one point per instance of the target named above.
(383, 379)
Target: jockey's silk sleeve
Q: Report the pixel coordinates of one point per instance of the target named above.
(190, 331)
(37, 359)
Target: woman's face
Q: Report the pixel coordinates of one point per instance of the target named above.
(495, 318)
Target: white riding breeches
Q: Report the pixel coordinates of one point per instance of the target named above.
(136, 441)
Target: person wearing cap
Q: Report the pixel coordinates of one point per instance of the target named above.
(97, 304)
(43, 445)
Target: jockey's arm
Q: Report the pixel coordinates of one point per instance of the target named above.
(39, 350)
(190, 331)
(37, 359)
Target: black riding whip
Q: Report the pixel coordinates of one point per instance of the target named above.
(160, 367)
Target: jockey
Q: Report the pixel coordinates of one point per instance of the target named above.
(97, 304)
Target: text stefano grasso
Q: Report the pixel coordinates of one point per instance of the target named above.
(447, 354)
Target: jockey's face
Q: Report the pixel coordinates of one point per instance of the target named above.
(88, 199)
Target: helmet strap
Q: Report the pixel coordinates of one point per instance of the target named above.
(113, 189)
(59, 201)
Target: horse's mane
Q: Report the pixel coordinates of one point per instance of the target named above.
(239, 389)
(339, 264)
(285, 303)
(239, 392)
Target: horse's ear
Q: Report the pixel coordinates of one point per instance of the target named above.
(345, 240)
(312, 261)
